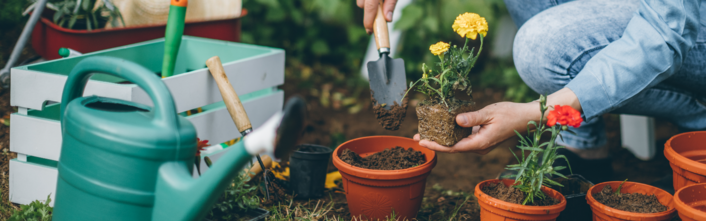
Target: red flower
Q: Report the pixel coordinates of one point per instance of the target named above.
(201, 145)
(564, 115)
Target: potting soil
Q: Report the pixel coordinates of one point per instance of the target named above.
(514, 195)
(277, 189)
(392, 118)
(396, 158)
(631, 202)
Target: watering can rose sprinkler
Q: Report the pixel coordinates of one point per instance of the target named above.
(122, 160)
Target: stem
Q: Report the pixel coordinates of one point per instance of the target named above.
(409, 89)
(481, 44)
(464, 44)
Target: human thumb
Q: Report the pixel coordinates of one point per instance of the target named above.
(471, 119)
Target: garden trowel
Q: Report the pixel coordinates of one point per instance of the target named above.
(387, 79)
(234, 106)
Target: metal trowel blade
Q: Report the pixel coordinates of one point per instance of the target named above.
(388, 81)
(290, 128)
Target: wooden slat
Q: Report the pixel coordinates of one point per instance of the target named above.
(31, 88)
(41, 137)
(29, 182)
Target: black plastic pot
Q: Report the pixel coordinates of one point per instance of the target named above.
(307, 170)
(575, 193)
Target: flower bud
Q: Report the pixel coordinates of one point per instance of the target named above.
(542, 99)
(564, 127)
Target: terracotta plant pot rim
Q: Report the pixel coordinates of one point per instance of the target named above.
(622, 213)
(680, 160)
(383, 174)
(538, 210)
(687, 210)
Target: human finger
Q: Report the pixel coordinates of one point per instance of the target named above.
(416, 137)
(470, 119)
(360, 3)
(371, 9)
(435, 146)
(388, 8)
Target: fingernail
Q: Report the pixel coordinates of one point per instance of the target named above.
(389, 16)
(461, 119)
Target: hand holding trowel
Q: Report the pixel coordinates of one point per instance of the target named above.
(388, 81)
(234, 106)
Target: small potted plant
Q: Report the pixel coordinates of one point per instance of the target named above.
(441, 83)
(528, 197)
(84, 15)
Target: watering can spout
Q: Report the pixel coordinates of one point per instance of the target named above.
(181, 197)
(178, 196)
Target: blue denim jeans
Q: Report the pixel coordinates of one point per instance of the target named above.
(557, 38)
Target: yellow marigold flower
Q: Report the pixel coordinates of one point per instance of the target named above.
(469, 25)
(439, 48)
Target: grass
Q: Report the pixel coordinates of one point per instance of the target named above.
(455, 206)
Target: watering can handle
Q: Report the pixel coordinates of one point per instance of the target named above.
(164, 108)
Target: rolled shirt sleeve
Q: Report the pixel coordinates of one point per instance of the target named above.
(651, 49)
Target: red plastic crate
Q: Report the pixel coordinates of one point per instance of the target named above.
(48, 37)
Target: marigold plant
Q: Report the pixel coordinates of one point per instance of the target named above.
(450, 74)
(533, 170)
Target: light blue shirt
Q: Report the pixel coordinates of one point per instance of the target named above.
(651, 50)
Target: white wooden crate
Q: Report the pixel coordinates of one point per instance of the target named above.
(36, 133)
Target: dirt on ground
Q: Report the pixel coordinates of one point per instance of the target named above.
(437, 122)
(391, 118)
(396, 158)
(631, 202)
(514, 195)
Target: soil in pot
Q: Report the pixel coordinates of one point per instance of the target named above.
(396, 158)
(392, 118)
(437, 122)
(514, 195)
(631, 202)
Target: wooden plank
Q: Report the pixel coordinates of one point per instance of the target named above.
(41, 137)
(252, 68)
(29, 182)
(35, 136)
(218, 127)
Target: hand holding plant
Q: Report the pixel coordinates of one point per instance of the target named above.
(533, 171)
(441, 82)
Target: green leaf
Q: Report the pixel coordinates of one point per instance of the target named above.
(72, 21)
(530, 148)
(617, 192)
(88, 24)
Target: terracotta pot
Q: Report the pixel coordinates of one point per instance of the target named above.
(602, 212)
(690, 201)
(495, 209)
(687, 156)
(374, 194)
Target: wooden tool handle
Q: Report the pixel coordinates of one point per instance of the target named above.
(382, 38)
(230, 98)
(256, 169)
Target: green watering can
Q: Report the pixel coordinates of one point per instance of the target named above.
(126, 161)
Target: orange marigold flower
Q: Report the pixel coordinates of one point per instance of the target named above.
(564, 115)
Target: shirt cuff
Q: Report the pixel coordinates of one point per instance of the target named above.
(593, 98)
